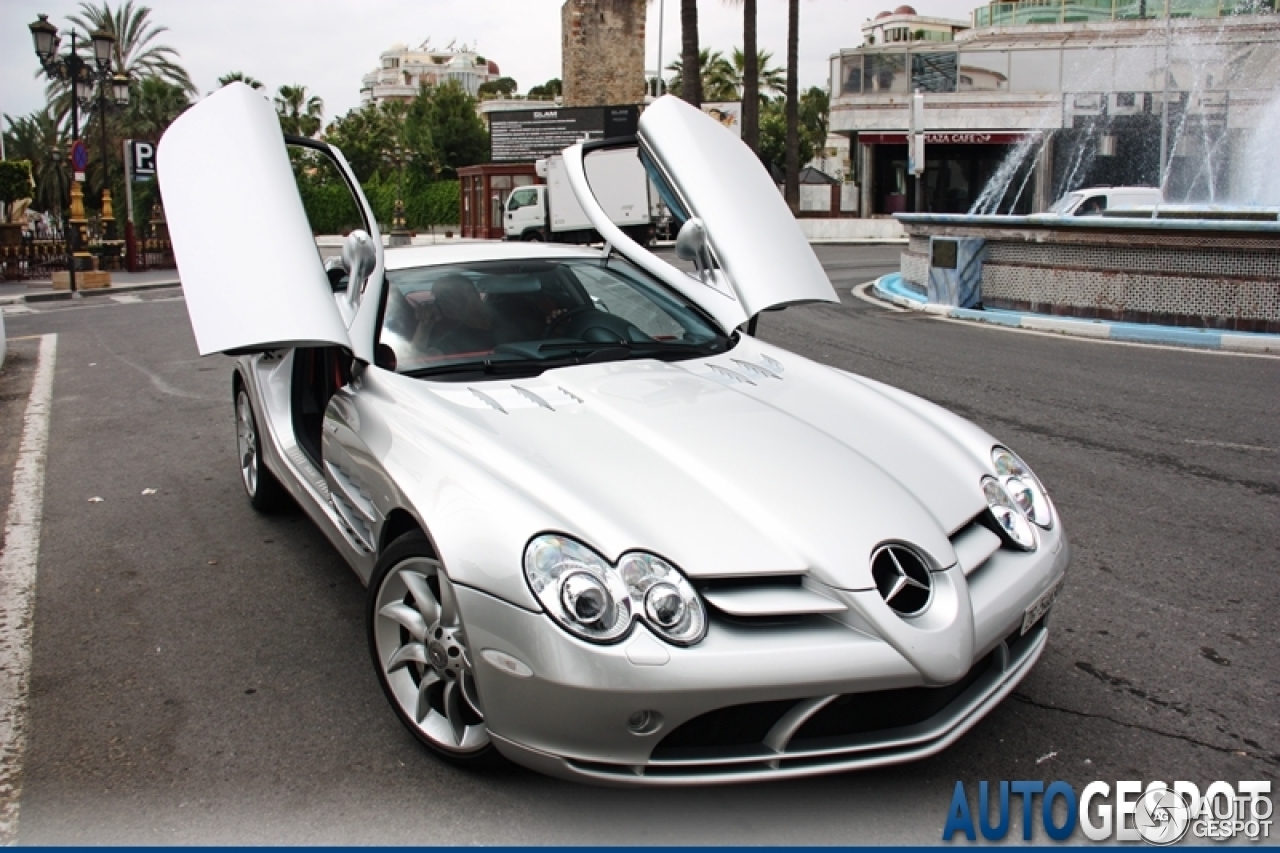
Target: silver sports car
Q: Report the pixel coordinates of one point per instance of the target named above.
(606, 532)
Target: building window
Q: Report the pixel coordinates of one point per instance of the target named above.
(885, 72)
(933, 71)
(984, 71)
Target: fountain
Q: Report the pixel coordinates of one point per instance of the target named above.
(1207, 257)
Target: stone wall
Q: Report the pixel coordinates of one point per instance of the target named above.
(602, 52)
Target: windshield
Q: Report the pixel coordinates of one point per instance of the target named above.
(523, 317)
(1064, 204)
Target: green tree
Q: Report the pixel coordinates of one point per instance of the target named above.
(42, 140)
(239, 77)
(548, 91)
(503, 87)
(363, 135)
(458, 136)
(815, 107)
(300, 114)
(719, 82)
(135, 52)
(773, 139)
(15, 184)
(768, 80)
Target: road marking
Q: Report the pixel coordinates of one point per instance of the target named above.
(18, 585)
(861, 293)
(125, 298)
(1228, 445)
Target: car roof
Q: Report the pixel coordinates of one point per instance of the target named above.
(409, 257)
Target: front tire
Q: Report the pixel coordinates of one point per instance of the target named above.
(264, 490)
(420, 652)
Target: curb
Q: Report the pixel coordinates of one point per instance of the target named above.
(890, 288)
(62, 295)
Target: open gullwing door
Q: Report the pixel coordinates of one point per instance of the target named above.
(251, 273)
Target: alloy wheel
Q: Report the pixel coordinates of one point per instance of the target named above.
(421, 649)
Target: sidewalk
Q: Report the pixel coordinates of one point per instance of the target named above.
(891, 289)
(41, 290)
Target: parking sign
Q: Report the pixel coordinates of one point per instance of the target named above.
(142, 160)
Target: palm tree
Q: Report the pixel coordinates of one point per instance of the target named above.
(719, 80)
(791, 189)
(134, 53)
(749, 73)
(300, 115)
(768, 79)
(689, 52)
(43, 140)
(239, 77)
(153, 105)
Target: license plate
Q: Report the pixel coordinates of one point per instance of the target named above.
(1041, 605)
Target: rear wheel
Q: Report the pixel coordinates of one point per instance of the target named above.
(264, 490)
(420, 652)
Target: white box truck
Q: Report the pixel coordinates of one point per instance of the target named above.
(551, 212)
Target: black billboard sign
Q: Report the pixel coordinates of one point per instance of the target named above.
(521, 136)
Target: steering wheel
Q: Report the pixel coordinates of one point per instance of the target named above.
(591, 325)
(560, 325)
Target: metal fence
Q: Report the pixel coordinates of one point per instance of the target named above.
(39, 259)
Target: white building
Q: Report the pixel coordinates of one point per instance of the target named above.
(402, 71)
(1040, 97)
(903, 25)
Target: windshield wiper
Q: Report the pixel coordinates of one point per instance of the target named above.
(567, 354)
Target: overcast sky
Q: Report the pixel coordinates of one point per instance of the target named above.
(328, 45)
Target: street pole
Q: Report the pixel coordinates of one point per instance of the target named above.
(1164, 98)
(661, 89)
(73, 235)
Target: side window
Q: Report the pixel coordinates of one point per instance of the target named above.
(331, 207)
(522, 198)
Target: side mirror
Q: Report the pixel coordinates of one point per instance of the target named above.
(359, 258)
(691, 245)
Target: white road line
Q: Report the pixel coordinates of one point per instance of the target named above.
(18, 585)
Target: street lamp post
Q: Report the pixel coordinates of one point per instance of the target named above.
(82, 78)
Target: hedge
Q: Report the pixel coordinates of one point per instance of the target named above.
(330, 210)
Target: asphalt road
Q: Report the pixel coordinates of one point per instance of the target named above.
(200, 673)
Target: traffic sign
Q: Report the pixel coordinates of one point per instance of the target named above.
(142, 160)
(79, 155)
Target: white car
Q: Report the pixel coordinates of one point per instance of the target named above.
(606, 532)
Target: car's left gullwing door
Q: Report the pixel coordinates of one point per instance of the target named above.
(250, 270)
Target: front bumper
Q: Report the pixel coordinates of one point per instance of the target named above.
(749, 702)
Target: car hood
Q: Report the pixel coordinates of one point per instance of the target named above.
(758, 462)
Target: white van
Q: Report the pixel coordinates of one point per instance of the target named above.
(1094, 200)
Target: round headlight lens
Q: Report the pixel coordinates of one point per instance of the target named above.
(578, 588)
(1023, 486)
(597, 601)
(1013, 525)
(663, 605)
(584, 598)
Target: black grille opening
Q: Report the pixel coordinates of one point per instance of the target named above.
(860, 713)
(735, 726)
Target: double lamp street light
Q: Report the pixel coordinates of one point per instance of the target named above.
(88, 81)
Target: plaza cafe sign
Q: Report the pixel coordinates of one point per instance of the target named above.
(948, 138)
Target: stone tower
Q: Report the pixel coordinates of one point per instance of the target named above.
(602, 52)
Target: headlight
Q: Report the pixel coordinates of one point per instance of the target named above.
(1023, 486)
(598, 602)
(1013, 525)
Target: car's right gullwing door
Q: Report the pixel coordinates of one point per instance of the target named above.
(250, 271)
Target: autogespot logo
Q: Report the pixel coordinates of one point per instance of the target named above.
(1159, 814)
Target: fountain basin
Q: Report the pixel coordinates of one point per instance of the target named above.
(1200, 273)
